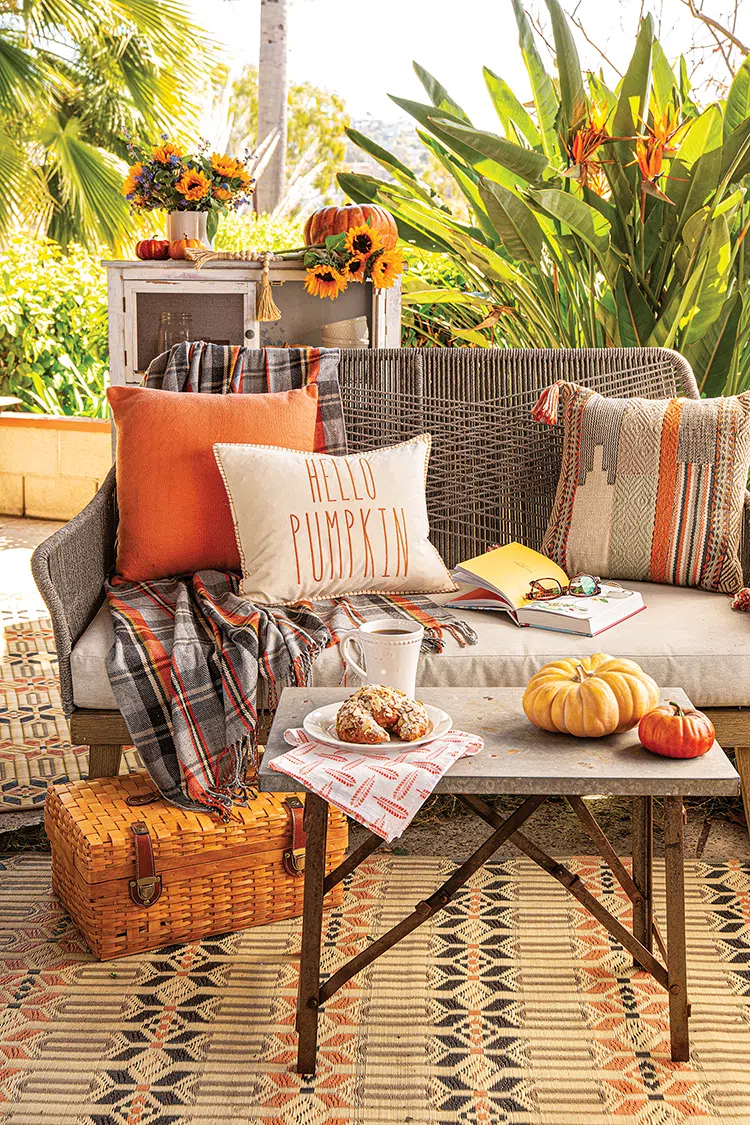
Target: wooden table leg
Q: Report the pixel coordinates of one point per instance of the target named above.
(674, 866)
(643, 856)
(316, 828)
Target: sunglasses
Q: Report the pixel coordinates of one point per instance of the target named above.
(582, 586)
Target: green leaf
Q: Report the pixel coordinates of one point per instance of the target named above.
(542, 88)
(444, 296)
(590, 225)
(427, 117)
(714, 266)
(522, 161)
(466, 180)
(438, 94)
(515, 222)
(694, 173)
(711, 356)
(635, 320)
(335, 241)
(663, 81)
(632, 102)
(572, 94)
(509, 109)
(737, 107)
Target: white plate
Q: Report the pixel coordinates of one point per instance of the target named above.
(320, 724)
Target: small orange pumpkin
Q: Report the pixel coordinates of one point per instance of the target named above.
(674, 733)
(177, 249)
(152, 249)
(336, 220)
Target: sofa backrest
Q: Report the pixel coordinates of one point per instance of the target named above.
(493, 470)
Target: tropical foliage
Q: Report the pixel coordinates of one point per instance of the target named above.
(73, 78)
(601, 218)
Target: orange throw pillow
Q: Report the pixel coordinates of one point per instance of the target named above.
(174, 512)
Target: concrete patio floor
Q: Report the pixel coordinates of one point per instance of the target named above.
(715, 828)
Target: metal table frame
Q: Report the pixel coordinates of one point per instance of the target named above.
(663, 956)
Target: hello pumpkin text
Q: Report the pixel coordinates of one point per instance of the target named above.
(347, 528)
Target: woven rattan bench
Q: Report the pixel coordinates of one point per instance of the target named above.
(492, 479)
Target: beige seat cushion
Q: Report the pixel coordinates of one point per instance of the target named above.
(686, 638)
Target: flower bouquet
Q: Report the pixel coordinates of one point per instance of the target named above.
(166, 179)
(357, 255)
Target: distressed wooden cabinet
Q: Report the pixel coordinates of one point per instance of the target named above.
(221, 300)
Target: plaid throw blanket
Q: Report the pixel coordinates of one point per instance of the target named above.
(215, 369)
(192, 661)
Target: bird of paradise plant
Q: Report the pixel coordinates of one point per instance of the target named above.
(599, 217)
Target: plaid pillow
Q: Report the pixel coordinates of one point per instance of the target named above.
(649, 490)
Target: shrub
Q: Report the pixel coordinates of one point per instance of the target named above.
(53, 315)
(53, 328)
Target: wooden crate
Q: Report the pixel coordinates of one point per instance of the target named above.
(215, 877)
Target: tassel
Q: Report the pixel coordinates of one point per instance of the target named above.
(546, 406)
(266, 309)
(741, 600)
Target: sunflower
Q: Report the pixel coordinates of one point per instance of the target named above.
(130, 183)
(223, 194)
(355, 270)
(164, 153)
(193, 185)
(226, 166)
(386, 268)
(325, 281)
(363, 240)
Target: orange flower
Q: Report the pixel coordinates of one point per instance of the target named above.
(222, 193)
(164, 153)
(355, 269)
(363, 241)
(325, 281)
(193, 185)
(386, 268)
(130, 183)
(226, 166)
(649, 155)
(585, 143)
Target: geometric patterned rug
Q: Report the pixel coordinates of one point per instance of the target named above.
(35, 746)
(510, 1006)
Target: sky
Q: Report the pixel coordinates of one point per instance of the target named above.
(363, 49)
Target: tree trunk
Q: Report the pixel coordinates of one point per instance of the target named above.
(272, 97)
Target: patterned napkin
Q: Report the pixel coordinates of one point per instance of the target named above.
(383, 790)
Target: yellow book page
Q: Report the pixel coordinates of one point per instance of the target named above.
(511, 568)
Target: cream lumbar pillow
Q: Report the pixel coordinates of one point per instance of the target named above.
(310, 525)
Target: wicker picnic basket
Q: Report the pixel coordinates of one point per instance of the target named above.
(139, 875)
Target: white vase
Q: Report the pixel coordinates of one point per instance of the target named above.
(187, 224)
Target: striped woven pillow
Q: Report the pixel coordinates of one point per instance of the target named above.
(649, 490)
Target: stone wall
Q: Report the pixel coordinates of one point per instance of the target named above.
(51, 467)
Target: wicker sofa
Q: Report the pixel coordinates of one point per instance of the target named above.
(492, 479)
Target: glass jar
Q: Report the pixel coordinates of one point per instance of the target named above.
(174, 328)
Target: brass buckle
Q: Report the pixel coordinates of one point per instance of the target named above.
(146, 887)
(292, 863)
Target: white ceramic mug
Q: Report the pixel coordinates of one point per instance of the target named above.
(388, 652)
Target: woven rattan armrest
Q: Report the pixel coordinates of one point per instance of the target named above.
(70, 569)
(745, 541)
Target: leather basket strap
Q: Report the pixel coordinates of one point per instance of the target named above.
(294, 857)
(145, 889)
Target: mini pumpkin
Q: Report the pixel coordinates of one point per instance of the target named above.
(589, 696)
(152, 249)
(177, 249)
(676, 733)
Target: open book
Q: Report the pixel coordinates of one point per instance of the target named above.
(500, 579)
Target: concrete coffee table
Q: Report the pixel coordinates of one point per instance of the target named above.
(518, 759)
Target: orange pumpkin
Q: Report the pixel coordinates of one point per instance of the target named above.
(674, 733)
(152, 249)
(336, 220)
(177, 249)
